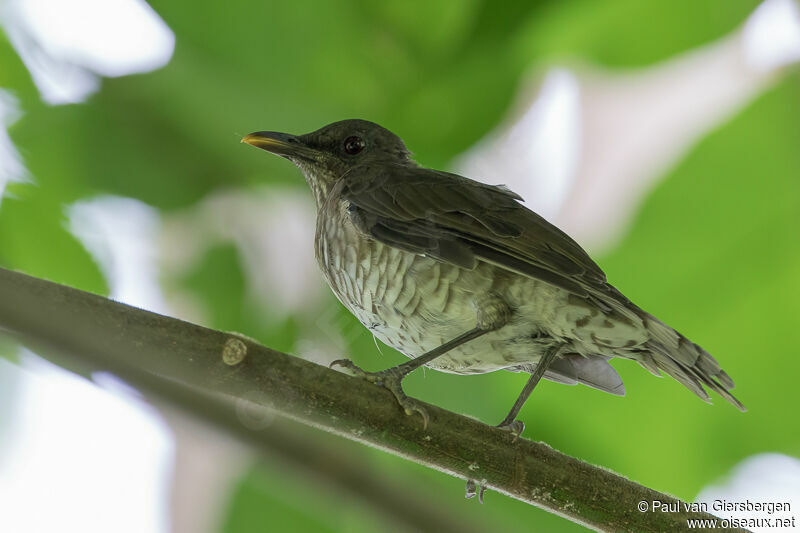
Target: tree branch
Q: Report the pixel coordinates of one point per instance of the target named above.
(222, 377)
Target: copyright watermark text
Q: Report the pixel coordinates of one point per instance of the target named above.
(759, 514)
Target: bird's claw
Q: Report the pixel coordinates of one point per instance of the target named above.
(473, 489)
(390, 380)
(411, 406)
(357, 371)
(515, 428)
(346, 363)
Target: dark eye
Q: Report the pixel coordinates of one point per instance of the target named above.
(353, 144)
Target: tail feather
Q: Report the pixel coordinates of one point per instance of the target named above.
(685, 361)
(725, 379)
(647, 361)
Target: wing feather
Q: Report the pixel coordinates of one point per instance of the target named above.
(457, 220)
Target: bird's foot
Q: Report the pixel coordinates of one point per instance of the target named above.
(391, 380)
(475, 489)
(515, 427)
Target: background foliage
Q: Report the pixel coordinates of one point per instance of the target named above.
(714, 250)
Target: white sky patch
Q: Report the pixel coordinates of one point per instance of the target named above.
(122, 235)
(771, 35)
(767, 477)
(66, 45)
(11, 167)
(538, 154)
(551, 127)
(75, 471)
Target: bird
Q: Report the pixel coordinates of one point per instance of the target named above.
(460, 276)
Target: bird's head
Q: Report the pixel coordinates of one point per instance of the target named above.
(325, 155)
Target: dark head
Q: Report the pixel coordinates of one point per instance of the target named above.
(327, 154)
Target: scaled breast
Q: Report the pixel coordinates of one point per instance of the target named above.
(378, 282)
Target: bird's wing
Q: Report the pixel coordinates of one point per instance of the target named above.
(460, 221)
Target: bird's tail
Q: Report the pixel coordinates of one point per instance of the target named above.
(685, 361)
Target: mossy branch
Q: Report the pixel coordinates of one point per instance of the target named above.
(219, 376)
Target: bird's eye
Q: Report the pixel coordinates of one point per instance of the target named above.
(353, 144)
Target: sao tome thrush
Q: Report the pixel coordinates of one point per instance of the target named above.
(463, 278)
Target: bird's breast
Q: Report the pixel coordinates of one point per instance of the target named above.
(405, 299)
(370, 277)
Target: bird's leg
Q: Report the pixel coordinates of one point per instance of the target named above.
(510, 422)
(493, 314)
(392, 378)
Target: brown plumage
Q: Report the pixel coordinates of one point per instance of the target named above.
(422, 256)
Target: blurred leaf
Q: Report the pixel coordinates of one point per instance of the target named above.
(630, 33)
